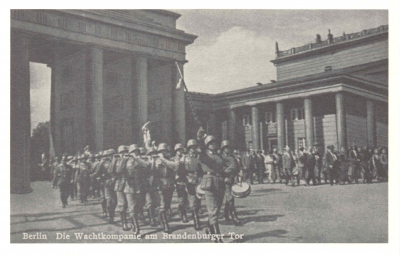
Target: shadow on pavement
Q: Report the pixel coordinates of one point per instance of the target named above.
(274, 233)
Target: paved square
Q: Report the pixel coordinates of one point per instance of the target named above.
(273, 213)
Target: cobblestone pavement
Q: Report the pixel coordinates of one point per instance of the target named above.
(273, 213)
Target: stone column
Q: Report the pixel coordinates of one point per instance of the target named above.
(179, 125)
(308, 122)
(20, 114)
(280, 125)
(96, 71)
(340, 121)
(255, 132)
(212, 124)
(371, 126)
(141, 73)
(232, 127)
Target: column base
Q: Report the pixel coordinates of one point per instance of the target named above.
(21, 190)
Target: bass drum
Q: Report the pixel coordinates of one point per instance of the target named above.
(199, 192)
(241, 190)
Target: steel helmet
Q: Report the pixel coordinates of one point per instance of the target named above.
(151, 151)
(122, 148)
(142, 150)
(178, 146)
(209, 139)
(225, 143)
(110, 152)
(133, 148)
(192, 142)
(162, 146)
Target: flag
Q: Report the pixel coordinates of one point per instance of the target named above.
(180, 82)
(179, 85)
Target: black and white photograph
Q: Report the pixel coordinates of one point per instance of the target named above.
(199, 126)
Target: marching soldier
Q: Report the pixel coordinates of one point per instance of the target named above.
(164, 180)
(108, 196)
(84, 179)
(193, 174)
(94, 181)
(180, 182)
(230, 171)
(213, 181)
(64, 180)
(135, 170)
(151, 196)
(120, 160)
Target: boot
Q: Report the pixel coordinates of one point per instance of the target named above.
(124, 222)
(110, 216)
(164, 222)
(135, 225)
(211, 231)
(226, 211)
(234, 216)
(182, 213)
(216, 231)
(151, 217)
(196, 220)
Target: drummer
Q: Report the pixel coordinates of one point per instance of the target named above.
(193, 174)
(212, 182)
(231, 169)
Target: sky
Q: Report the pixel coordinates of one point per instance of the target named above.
(234, 47)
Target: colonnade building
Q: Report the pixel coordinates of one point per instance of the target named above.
(331, 92)
(111, 72)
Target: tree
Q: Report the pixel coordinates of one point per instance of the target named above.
(40, 143)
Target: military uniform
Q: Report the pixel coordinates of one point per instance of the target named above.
(164, 177)
(135, 170)
(108, 196)
(95, 184)
(64, 181)
(120, 182)
(213, 181)
(193, 175)
(151, 193)
(230, 170)
(84, 180)
(180, 182)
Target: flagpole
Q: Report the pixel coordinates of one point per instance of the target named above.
(188, 95)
